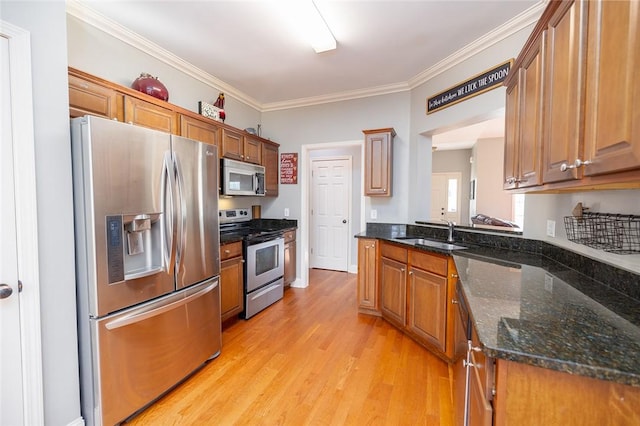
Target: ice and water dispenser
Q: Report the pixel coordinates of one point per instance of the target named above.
(134, 246)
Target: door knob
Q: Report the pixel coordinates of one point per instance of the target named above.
(5, 291)
(344, 220)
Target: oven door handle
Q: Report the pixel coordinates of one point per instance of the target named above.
(266, 290)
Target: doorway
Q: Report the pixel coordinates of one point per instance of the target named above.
(446, 196)
(330, 213)
(21, 388)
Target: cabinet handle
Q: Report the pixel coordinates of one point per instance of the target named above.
(227, 251)
(476, 349)
(466, 363)
(242, 261)
(454, 275)
(511, 180)
(401, 269)
(454, 301)
(410, 272)
(576, 164)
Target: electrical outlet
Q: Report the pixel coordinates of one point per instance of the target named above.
(286, 212)
(374, 214)
(551, 228)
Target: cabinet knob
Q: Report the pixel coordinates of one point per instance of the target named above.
(454, 301)
(227, 251)
(454, 275)
(466, 363)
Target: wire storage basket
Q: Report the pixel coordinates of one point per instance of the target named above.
(615, 233)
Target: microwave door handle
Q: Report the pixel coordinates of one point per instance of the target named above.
(256, 183)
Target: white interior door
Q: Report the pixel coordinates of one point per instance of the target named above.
(330, 213)
(11, 402)
(446, 196)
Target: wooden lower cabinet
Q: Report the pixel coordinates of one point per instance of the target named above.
(427, 307)
(368, 276)
(530, 396)
(231, 280)
(393, 291)
(416, 289)
(289, 257)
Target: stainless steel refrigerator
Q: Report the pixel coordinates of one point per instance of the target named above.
(148, 263)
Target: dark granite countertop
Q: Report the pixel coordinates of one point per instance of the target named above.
(277, 225)
(529, 307)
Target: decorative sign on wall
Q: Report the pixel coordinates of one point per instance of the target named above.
(289, 168)
(476, 85)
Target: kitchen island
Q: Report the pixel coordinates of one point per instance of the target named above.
(555, 335)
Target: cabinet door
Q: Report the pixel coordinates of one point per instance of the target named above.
(367, 275)
(480, 410)
(252, 150)
(270, 161)
(563, 90)
(146, 114)
(232, 144)
(428, 307)
(512, 134)
(393, 291)
(612, 121)
(86, 97)
(200, 130)
(289, 263)
(231, 282)
(378, 162)
(529, 151)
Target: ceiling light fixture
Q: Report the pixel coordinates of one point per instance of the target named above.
(309, 23)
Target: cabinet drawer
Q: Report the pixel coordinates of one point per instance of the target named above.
(289, 236)
(393, 252)
(429, 262)
(227, 251)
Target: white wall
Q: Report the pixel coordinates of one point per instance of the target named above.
(46, 21)
(491, 199)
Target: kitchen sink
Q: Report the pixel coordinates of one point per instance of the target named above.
(430, 243)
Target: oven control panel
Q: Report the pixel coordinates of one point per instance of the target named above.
(234, 215)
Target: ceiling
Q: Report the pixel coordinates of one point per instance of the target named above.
(247, 49)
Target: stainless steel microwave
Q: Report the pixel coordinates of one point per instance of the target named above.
(238, 178)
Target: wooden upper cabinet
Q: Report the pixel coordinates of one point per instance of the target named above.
(232, 144)
(531, 87)
(89, 98)
(612, 120)
(146, 114)
(252, 150)
(512, 134)
(204, 130)
(564, 90)
(270, 161)
(378, 172)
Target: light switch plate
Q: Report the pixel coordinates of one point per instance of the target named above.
(286, 212)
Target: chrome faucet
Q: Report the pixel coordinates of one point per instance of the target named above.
(450, 225)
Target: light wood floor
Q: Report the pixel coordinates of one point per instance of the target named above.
(311, 359)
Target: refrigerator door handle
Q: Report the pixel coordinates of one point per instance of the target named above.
(156, 309)
(182, 212)
(168, 202)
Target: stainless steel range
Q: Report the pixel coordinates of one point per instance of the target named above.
(263, 251)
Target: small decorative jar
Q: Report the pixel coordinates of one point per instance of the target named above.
(150, 85)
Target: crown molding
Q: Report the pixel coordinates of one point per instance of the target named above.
(517, 23)
(337, 97)
(80, 11)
